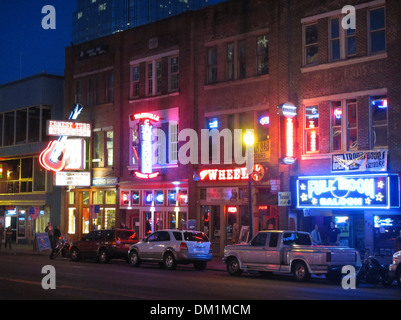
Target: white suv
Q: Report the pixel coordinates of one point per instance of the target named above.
(171, 247)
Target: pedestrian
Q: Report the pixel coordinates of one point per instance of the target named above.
(57, 235)
(50, 232)
(9, 234)
(315, 235)
(397, 246)
(1, 234)
(334, 235)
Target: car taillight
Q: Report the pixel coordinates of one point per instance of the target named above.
(183, 246)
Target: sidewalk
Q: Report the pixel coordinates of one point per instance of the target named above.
(18, 249)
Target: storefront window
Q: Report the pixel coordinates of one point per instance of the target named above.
(98, 197)
(85, 220)
(110, 218)
(85, 197)
(71, 197)
(71, 220)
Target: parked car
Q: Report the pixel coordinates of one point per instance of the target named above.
(289, 252)
(171, 247)
(395, 267)
(104, 245)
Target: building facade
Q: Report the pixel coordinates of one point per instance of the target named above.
(345, 78)
(28, 199)
(320, 94)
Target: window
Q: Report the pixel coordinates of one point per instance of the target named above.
(149, 79)
(212, 65)
(93, 91)
(379, 119)
(78, 91)
(110, 87)
(377, 30)
(135, 81)
(230, 60)
(311, 44)
(21, 176)
(262, 55)
(241, 59)
(312, 128)
(259, 240)
(21, 126)
(295, 238)
(173, 73)
(103, 148)
(9, 128)
(342, 41)
(344, 130)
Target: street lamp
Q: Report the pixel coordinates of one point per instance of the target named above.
(249, 140)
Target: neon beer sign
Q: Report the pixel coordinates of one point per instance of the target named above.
(348, 191)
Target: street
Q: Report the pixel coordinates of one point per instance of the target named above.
(21, 279)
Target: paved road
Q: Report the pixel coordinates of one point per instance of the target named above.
(21, 278)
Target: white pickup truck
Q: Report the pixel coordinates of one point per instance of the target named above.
(289, 252)
(395, 267)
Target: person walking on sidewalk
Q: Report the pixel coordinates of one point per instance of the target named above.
(9, 234)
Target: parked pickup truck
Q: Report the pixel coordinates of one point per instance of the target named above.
(289, 252)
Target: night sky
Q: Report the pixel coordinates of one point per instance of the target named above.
(26, 48)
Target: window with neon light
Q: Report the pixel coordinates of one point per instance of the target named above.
(344, 125)
(379, 120)
(312, 128)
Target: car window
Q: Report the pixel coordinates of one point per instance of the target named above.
(177, 235)
(126, 235)
(153, 237)
(164, 236)
(273, 239)
(195, 236)
(108, 235)
(259, 240)
(295, 238)
(90, 236)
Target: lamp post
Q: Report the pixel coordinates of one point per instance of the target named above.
(249, 140)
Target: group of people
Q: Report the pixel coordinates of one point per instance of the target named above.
(333, 236)
(54, 234)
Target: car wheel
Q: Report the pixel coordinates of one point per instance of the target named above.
(233, 267)
(169, 261)
(133, 259)
(300, 271)
(398, 276)
(200, 265)
(75, 254)
(103, 256)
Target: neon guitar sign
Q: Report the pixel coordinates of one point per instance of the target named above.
(52, 158)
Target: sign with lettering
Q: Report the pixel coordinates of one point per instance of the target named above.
(359, 161)
(76, 179)
(224, 174)
(68, 128)
(380, 191)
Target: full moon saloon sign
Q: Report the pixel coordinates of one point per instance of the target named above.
(348, 191)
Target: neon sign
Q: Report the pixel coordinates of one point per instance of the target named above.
(68, 128)
(348, 191)
(224, 174)
(146, 136)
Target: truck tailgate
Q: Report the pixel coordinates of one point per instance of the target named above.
(343, 256)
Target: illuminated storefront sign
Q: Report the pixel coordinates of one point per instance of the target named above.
(224, 174)
(68, 128)
(76, 179)
(348, 191)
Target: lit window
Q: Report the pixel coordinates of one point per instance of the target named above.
(379, 116)
(262, 55)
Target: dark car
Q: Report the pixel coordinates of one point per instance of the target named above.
(104, 245)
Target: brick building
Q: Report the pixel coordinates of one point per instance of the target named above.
(234, 66)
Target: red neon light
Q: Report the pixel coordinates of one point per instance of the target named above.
(47, 159)
(224, 174)
(289, 131)
(146, 175)
(145, 115)
(232, 209)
